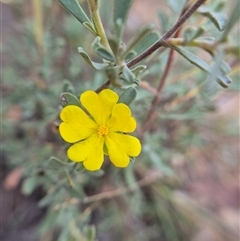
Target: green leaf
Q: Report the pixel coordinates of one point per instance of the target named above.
(138, 69)
(221, 78)
(90, 27)
(105, 54)
(219, 19)
(163, 18)
(114, 44)
(29, 184)
(146, 42)
(137, 38)
(69, 99)
(157, 161)
(90, 231)
(68, 87)
(112, 74)
(176, 6)
(55, 163)
(98, 66)
(127, 75)
(101, 50)
(190, 33)
(96, 43)
(128, 96)
(75, 9)
(130, 55)
(234, 16)
(121, 10)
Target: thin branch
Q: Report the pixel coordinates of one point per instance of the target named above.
(160, 42)
(168, 34)
(147, 180)
(104, 86)
(124, 190)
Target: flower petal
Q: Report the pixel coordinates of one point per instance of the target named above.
(99, 105)
(89, 151)
(120, 147)
(76, 125)
(121, 119)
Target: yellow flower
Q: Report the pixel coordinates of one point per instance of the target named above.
(102, 131)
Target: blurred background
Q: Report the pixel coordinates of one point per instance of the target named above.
(185, 184)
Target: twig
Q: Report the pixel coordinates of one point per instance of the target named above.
(161, 41)
(168, 34)
(162, 82)
(147, 180)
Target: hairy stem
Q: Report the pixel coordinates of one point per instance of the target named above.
(94, 10)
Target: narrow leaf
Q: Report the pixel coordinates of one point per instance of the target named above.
(221, 78)
(219, 19)
(176, 6)
(138, 69)
(146, 42)
(98, 66)
(90, 27)
(127, 75)
(190, 33)
(128, 96)
(234, 16)
(121, 10)
(29, 184)
(75, 9)
(137, 38)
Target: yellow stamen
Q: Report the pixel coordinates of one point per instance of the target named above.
(102, 131)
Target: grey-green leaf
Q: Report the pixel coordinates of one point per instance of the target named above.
(221, 78)
(68, 87)
(69, 99)
(121, 10)
(137, 38)
(138, 69)
(29, 184)
(98, 66)
(146, 42)
(55, 164)
(104, 53)
(191, 33)
(219, 19)
(128, 96)
(90, 27)
(112, 74)
(75, 9)
(127, 75)
(176, 6)
(234, 16)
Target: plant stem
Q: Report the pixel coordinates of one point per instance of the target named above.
(160, 42)
(94, 10)
(38, 15)
(168, 34)
(162, 82)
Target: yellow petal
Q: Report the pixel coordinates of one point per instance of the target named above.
(99, 105)
(120, 147)
(76, 124)
(121, 119)
(89, 151)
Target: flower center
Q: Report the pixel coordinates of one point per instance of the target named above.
(102, 131)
